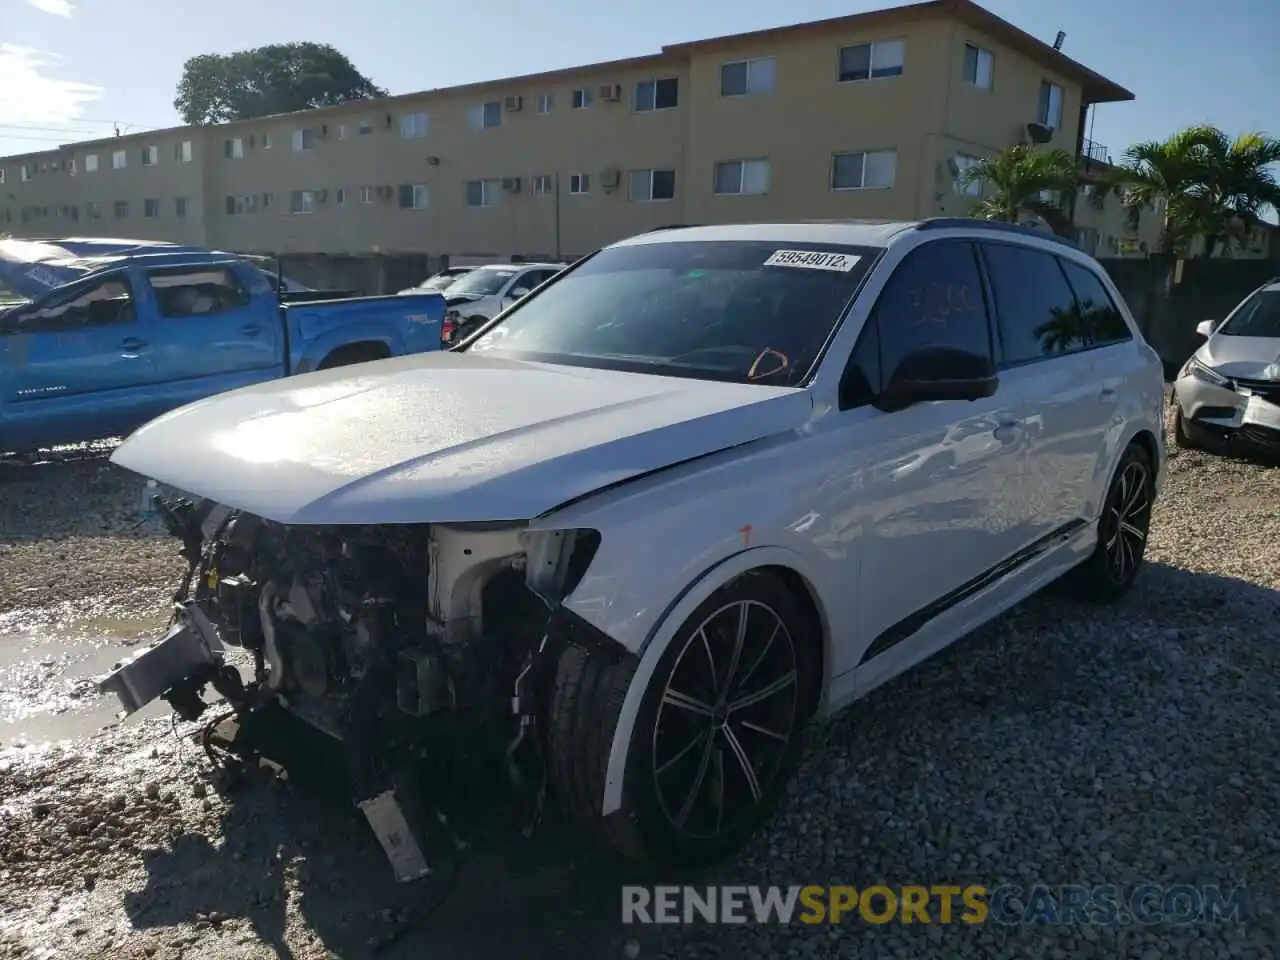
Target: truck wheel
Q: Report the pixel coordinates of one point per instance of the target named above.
(716, 736)
(354, 353)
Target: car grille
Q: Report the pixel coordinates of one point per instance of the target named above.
(1269, 390)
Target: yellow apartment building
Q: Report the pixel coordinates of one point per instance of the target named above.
(870, 115)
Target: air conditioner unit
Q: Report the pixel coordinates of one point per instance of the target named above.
(511, 184)
(611, 91)
(515, 103)
(610, 177)
(384, 193)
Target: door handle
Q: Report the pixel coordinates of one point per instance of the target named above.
(1008, 431)
(132, 345)
(1108, 395)
(251, 330)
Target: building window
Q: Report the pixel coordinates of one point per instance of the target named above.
(120, 210)
(978, 66)
(266, 200)
(366, 194)
(544, 104)
(871, 61)
(2, 180)
(741, 177)
(93, 211)
(657, 94)
(542, 184)
(581, 98)
(266, 141)
(302, 201)
(413, 196)
(303, 139)
(580, 183)
(233, 148)
(365, 127)
(151, 209)
(646, 185)
(90, 163)
(483, 193)
(119, 159)
(182, 151)
(1050, 105)
(150, 156)
(180, 206)
(964, 163)
(742, 77)
(25, 173)
(485, 116)
(864, 170)
(340, 196)
(413, 125)
(71, 169)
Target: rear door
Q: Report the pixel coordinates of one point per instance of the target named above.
(1049, 372)
(77, 365)
(213, 331)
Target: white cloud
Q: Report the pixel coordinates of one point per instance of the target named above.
(59, 8)
(29, 96)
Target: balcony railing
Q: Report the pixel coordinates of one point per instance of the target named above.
(1092, 150)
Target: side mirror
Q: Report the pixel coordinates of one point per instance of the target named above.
(1205, 328)
(938, 373)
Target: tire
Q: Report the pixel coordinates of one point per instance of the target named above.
(1182, 435)
(1110, 570)
(686, 751)
(354, 353)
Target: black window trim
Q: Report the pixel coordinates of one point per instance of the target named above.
(1003, 364)
(994, 345)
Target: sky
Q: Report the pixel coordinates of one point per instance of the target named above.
(75, 69)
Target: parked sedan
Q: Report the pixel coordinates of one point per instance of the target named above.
(1229, 389)
(438, 282)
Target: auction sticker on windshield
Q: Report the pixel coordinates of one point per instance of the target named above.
(813, 260)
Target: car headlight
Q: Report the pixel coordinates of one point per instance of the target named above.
(1204, 373)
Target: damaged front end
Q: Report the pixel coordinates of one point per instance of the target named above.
(405, 646)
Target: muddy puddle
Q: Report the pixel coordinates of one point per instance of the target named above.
(50, 662)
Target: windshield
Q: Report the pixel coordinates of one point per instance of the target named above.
(484, 282)
(735, 311)
(1259, 318)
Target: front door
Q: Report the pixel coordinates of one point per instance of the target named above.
(74, 366)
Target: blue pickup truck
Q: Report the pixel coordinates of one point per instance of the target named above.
(99, 336)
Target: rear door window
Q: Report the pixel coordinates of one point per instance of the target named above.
(1035, 306)
(1100, 320)
(197, 292)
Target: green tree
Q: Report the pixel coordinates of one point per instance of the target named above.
(279, 78)
(1015, 180)
(1239, 184)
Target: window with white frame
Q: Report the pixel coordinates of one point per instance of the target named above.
(119, 159)
(2, 176)
(266, 141)
(742, 77)
(663, 94)
(741, 177)
(965, 162)
(1050, 105)
(413, 196)
(90, 163)
(542, 184)
(544, 104)
(150, 156)
(579, 183)
(71, 168)
(366, 194)
(871, 61)
(303, 139)
(120, 209)
(483, 193)
(233, 148)
(302, 201)
(485, 116)
(648, 185)
(26, 172)
(581, 98)
(151, 208)
(864, 170)
(182, 151)
(414, 125)
(340, 196)
(978, 66)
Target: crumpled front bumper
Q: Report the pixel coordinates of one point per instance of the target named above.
(1242, 410)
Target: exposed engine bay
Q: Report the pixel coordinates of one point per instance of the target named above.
(401, 644)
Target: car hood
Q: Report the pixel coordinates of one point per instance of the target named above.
(1254, 358)
(445, 437)
(453, 299)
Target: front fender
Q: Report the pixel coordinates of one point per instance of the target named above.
(664, 631)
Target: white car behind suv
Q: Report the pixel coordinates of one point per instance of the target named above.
(483, 293)
(706, 484)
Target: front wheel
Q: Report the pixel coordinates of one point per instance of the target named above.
(717, 731)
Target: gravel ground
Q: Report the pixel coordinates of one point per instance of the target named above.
(1061, 745)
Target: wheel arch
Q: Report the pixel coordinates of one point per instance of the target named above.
(362, 350)
(787, 565)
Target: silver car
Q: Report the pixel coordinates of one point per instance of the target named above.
(1230, 387)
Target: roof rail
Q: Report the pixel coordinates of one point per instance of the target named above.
(994, 226)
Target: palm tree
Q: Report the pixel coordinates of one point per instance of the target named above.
(1239, 183)
(1015, 180)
